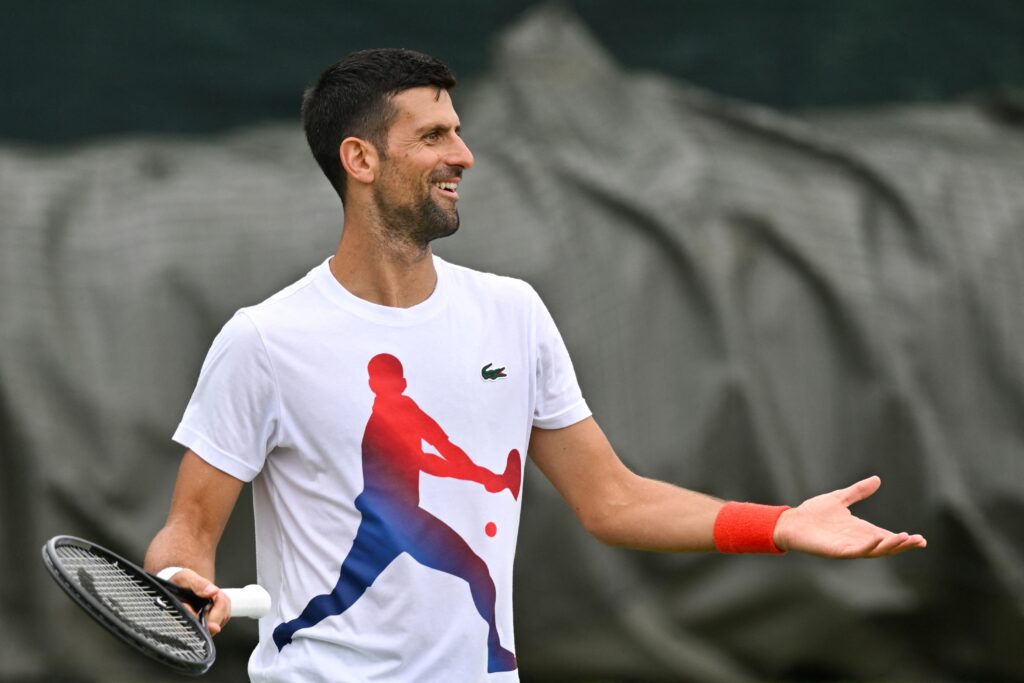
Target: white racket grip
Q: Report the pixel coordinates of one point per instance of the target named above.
(253, 601)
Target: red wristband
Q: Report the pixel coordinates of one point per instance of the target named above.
(747, 528)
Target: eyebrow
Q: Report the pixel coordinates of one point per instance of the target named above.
(438, 126)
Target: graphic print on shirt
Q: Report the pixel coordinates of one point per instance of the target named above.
(392, 520)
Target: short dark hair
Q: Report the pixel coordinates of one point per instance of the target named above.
(353, 98)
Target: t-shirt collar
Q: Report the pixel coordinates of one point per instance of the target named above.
(384, 315)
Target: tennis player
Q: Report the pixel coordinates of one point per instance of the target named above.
(379, 406)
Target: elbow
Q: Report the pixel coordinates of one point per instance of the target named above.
(617, 513)
(604, 521)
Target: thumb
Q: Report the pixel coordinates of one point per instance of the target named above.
(200, 585)
(865, 488)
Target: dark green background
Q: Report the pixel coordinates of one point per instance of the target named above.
(76, 70)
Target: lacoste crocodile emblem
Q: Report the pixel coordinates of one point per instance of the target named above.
(488, 374)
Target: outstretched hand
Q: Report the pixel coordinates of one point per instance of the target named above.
(824, 526)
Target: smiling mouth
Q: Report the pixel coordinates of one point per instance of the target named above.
(448, 189)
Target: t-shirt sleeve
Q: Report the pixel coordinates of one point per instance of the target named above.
(559, 401)
(232, 418)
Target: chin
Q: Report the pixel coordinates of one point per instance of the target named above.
(441, 234)
(438, 229)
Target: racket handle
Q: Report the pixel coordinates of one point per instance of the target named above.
(253, 601)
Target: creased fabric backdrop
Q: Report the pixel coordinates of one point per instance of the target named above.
(759, 306)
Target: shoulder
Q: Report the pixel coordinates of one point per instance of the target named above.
(492, 286)
(239, 335)
(300, 289)
(287, 306)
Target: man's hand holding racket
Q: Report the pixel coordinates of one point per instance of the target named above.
(170, 621)
(219, 611)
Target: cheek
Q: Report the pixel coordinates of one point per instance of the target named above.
(396, 180)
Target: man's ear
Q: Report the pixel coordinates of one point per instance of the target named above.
(360, 159)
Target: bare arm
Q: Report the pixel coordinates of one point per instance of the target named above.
(622, 508)
(613, 503)
(203, 500)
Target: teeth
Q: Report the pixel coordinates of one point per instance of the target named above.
(447, 186)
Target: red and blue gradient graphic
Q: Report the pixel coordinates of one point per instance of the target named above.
(392, 521)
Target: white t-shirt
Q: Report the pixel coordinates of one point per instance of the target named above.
(284, 400)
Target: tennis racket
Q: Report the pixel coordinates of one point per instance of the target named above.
(143, 610)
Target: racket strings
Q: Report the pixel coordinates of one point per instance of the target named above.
(135, 602)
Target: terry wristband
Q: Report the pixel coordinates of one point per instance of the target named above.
(747, 528)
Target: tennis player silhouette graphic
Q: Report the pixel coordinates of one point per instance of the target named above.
(392, 521)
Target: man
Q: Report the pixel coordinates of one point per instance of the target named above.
(386, 548)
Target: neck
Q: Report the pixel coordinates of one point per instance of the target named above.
(380, 270)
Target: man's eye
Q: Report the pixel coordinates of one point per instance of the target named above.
(432, 136)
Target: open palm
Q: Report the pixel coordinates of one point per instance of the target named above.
(824, 526)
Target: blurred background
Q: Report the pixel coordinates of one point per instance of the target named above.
(784, 242)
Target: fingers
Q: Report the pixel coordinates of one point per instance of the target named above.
(200, 585)
(888, 544)
(219, 611)
(824, 526)
(865, 488)
(893, 544)
(906, 542)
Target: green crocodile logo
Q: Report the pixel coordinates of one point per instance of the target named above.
(488, 374)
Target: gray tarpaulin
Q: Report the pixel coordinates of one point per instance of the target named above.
(759, 306)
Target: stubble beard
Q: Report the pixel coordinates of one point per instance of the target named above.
(418, 223)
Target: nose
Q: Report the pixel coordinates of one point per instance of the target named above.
(459, 154)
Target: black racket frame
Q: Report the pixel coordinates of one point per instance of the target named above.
(174, 596)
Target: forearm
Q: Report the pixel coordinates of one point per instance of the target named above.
(647, 514)
(178, 545)
(615, 504)
(202, 502)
